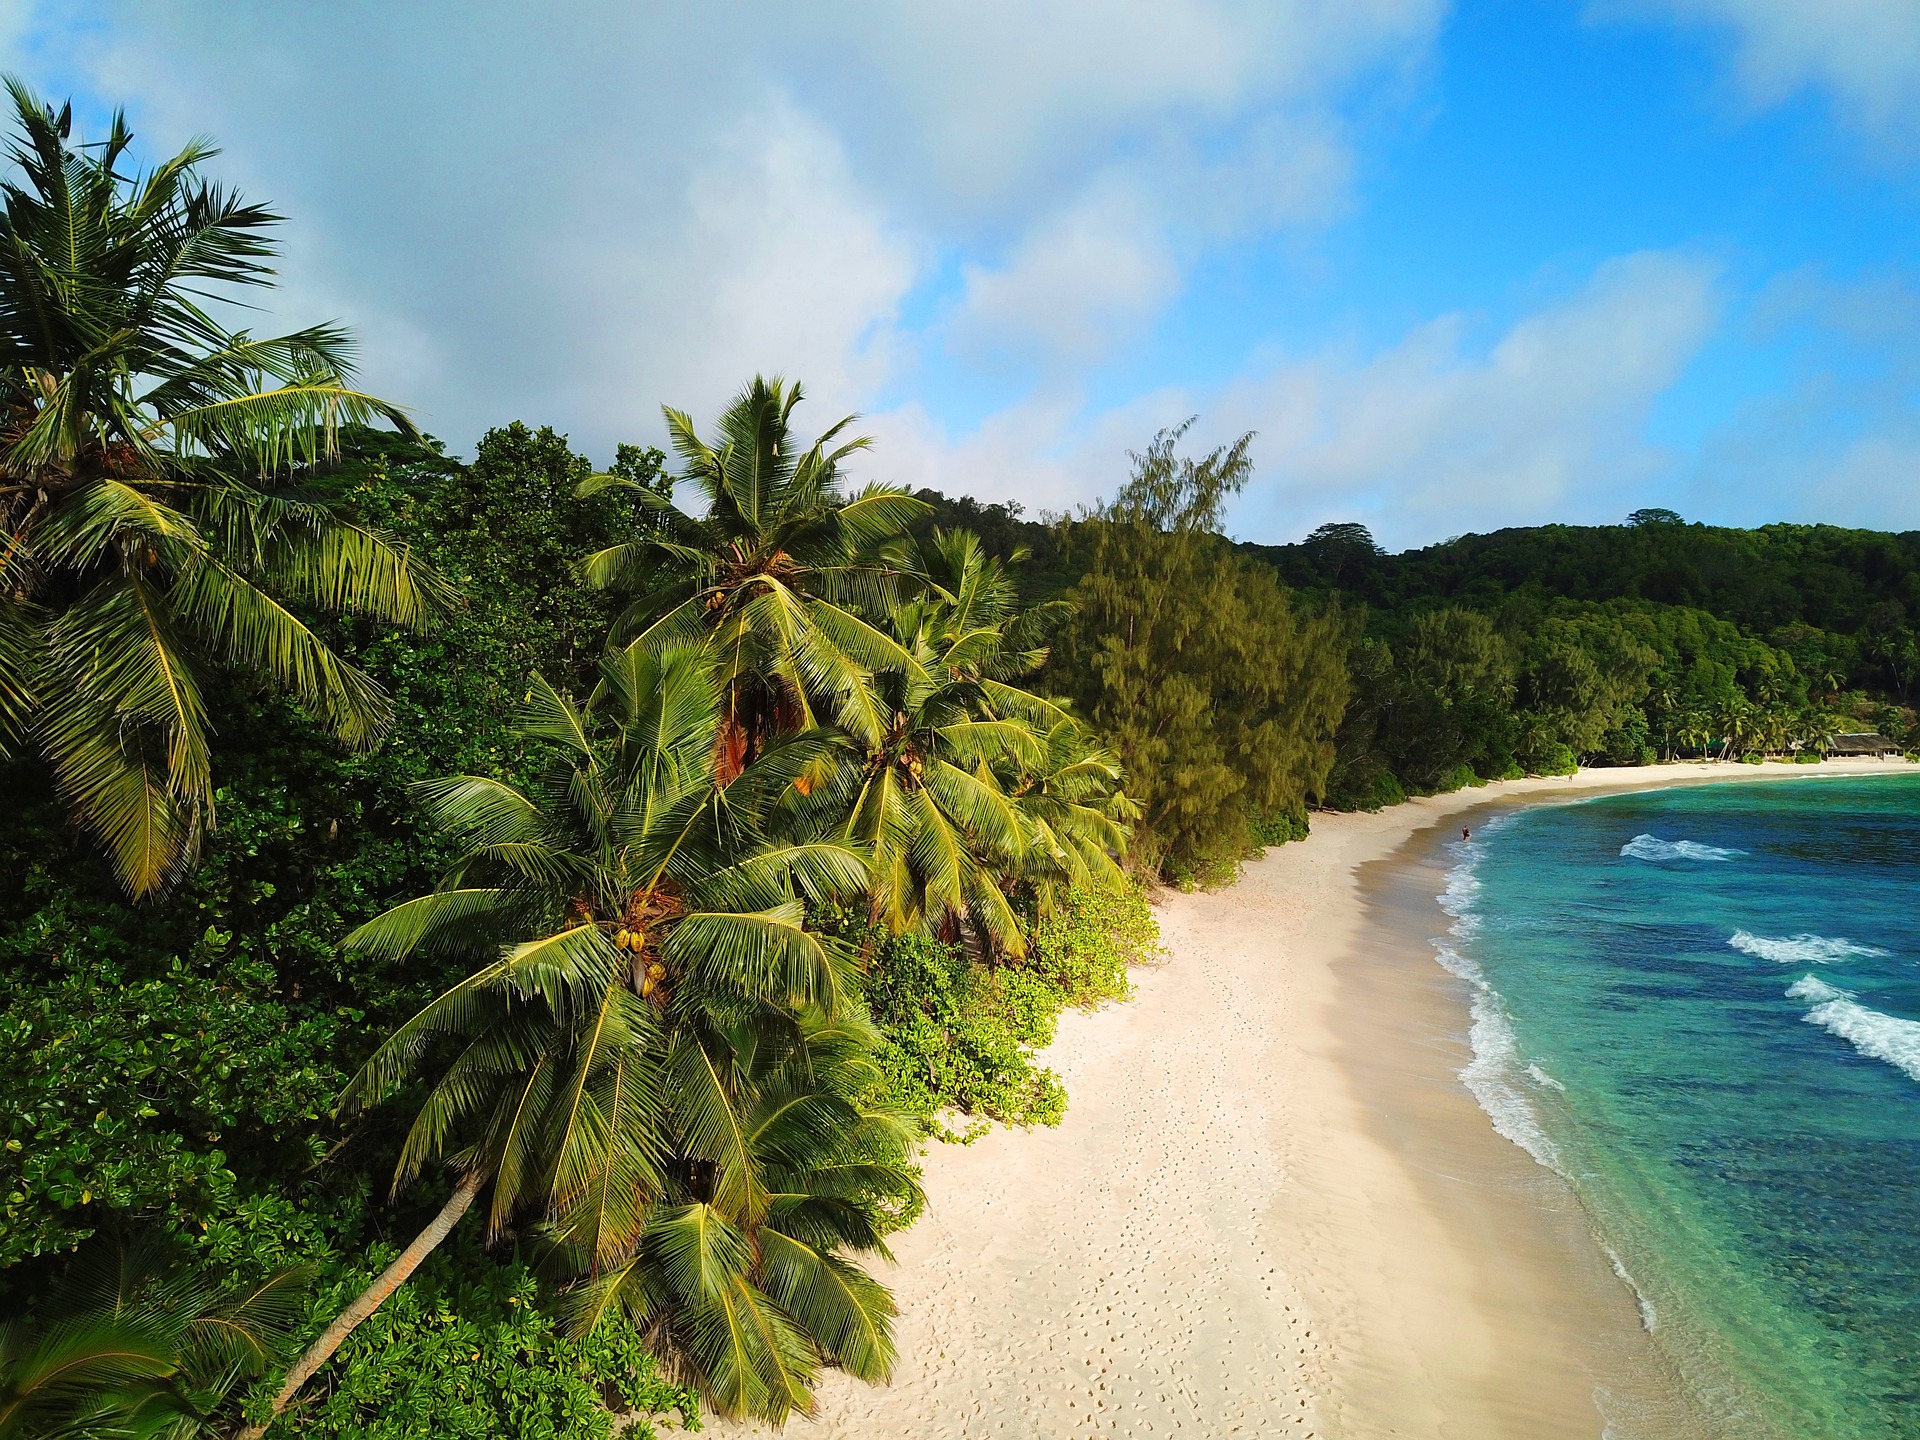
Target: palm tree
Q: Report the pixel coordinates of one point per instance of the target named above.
(627, 898)
(776, 1174)
(1661, 700)
(1076, 813)
(1735, 717)
(925, 794)
(130, 1347)
(1814, 728)
(976, 786)
(1695, 731)
(1892, 646)
(775, 572)
(140, 444)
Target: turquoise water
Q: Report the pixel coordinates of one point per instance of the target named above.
(1702, 1006)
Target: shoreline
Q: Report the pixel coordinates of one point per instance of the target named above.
(1273, 1207)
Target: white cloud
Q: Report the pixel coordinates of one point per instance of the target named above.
(1434, 437)
(1865, 54)
(569, 215)
(1034, 453)
(1009, 102)
(1073, 288)
(774, 259)
(1086, 277)
(1431, 436)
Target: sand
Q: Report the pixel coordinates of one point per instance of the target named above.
(1272, 1208)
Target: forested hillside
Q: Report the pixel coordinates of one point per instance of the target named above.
(1533, 650)
(1823, 576)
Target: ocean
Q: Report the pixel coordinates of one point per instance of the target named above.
(1702, 1007)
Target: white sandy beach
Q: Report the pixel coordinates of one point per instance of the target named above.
(1258, 1219)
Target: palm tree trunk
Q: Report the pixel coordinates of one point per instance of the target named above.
(369, 1300)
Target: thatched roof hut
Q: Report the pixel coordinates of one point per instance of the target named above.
(1861, 742)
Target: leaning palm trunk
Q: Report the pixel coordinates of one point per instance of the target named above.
(370, 1300)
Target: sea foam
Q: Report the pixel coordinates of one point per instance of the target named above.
(1652, 847)
(1649, 1317)
(1494, 1076)
(1541, 1078)
(1801, 949)
(1877, 1035)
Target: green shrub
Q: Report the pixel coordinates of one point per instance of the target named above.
(960, 1034)
(1551, 758)
(129, 1091)
(1205, 872)
(1085, 947)
(1459, 777)
(1386, 790)
(467, 1351)
(1280, 827)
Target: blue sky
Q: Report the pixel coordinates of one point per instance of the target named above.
(1494, 262)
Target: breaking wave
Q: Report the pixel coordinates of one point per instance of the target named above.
(1801, 949)
(1652, 847)
(1541, 1078)
(1877, 1035)
(1495, 1075)
(1649, 1317)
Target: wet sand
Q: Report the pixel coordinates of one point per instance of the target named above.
(1273, 1209)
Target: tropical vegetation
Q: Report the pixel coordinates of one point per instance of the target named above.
(650, 856)
(1219, 693)
(151, 463)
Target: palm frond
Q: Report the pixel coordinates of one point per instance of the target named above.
(845, 1311)
(255, 633)
(767, 953)
(451, 919)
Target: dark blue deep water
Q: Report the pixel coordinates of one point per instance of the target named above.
(1702, 1006)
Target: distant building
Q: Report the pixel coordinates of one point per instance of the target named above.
(1862, 742)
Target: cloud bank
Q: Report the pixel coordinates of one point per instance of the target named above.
(1862, 54)
(972, 223)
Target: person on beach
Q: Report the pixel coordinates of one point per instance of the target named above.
(1465, 834)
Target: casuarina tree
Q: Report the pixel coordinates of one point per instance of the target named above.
(1219, 693)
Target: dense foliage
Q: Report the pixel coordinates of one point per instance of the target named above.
(1834, 579)
(471, 1350)
(1536, 650)
(962, 1036)
(154, 532)
(1219, 694)
(179, 1058)
(176, 1054)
